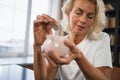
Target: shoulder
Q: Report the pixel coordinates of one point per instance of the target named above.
(103, 40)
(103, 36)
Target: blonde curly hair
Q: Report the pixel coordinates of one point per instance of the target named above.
(100, 19)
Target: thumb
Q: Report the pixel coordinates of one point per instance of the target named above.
(70, 44)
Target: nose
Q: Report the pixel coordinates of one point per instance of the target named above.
(83, 19)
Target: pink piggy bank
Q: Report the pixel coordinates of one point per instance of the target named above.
(55, 43)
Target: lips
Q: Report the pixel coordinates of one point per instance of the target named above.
(80, 27)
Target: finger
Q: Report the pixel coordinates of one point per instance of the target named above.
(38, 17)
(50, 61)
(46, 19)
(58, 59)
(52, 55)
(50, 19)
(43, 19)
(49, 29)
(69, 43)
(39, 23)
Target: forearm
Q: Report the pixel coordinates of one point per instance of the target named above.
(90, 72)
(52, 72)
(39, 65)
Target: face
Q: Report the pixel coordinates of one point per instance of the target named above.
(81, 17)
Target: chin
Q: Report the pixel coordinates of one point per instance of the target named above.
(78, 32)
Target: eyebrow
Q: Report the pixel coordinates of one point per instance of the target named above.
(92, 12)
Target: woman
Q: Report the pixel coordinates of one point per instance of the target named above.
(90, 56)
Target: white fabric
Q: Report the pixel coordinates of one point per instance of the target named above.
(96, 51)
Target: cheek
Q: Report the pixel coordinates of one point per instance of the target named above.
(90, 24)
(89, 27)
(73, 21)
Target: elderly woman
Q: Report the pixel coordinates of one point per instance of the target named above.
(89, 57)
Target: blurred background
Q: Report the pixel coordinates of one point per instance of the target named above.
(16, 33)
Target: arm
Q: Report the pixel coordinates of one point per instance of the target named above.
(39, 65)
(42, 27)
(43, 70)
(92, 73)
(52, 68)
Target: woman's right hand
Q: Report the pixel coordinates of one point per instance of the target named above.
(42, 27)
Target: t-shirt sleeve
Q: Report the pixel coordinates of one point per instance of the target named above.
(103, 53)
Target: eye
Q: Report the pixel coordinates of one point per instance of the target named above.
(79, 12)
(91, 16)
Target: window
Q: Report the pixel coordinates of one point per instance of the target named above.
(12, 26)
(16, 24)
(37, 9)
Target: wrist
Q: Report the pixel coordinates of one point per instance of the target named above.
(79, 57)
(53, 66)
(37, 47)
(37, 44)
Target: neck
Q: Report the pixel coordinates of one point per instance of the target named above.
(77, 38)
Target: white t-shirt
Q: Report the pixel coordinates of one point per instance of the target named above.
(96, 51)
